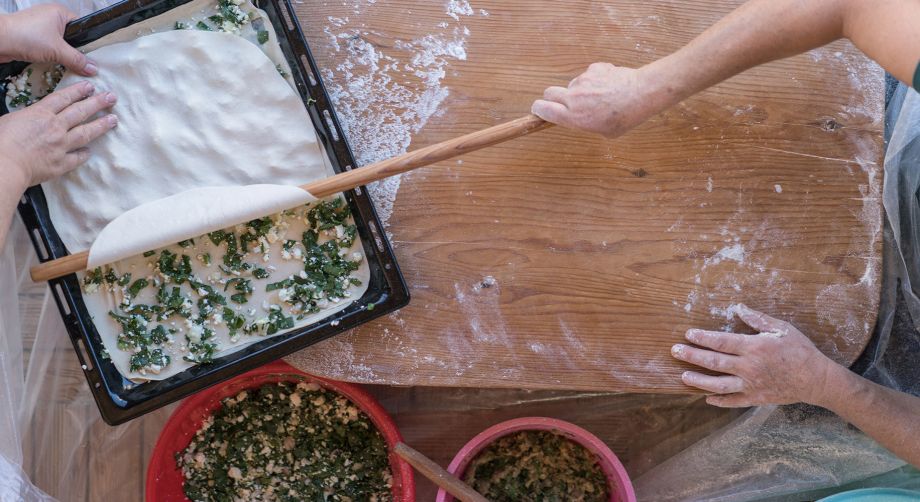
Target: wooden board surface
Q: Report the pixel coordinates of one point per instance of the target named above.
(567, 261)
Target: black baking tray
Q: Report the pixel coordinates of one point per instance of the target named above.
(119, 399)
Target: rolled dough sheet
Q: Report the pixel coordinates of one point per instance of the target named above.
(104, 300)
(188, 14)
(196, 109)
(194, 212)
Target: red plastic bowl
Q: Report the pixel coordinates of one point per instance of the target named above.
(164, 479)
(621, 489)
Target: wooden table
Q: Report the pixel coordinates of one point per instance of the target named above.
(597, 247)
(568, 261)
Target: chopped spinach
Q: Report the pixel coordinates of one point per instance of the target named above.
(138, 285)
(295, 441)
(537, 465)
(149, 359)
(177, 271)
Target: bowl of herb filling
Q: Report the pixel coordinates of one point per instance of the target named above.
(540, 459)
(278, 434)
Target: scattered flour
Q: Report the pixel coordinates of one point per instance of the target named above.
(483, 311)
(735, 253)
(728, 313)
(869, 97)
(383, 98)
(383, 94)
(457, 8)
(778, 188)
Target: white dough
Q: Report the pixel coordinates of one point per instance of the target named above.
(195, 109)
(190, 214)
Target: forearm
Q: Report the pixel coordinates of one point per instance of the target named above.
(765, 30)
(887, 416)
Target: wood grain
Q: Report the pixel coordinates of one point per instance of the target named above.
(604, 252)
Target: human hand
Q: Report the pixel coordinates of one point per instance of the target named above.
(49, 138)
(36, 35)
(778, 366)
(606, 99)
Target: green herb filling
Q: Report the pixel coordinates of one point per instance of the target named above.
(286, 442)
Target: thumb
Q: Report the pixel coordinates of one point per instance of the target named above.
(759, 321)
(551, 111)
(74, 60)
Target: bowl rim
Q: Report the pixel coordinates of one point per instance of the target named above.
(622, 489)
(188, 417)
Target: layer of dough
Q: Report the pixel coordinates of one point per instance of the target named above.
(194, 212)
(188, 14)
(195, 109)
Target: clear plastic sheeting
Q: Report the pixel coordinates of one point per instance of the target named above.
(14, 483)
(53, 444)
(792, 452)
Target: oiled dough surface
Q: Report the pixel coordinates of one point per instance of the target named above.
(195, 109)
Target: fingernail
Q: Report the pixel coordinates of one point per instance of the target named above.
(677, 350)
(685, 376)
(110, 98)
(87, 88)
(90, 68)
(692, 334)
(112, 120)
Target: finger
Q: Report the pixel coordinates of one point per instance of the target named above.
(62, 98)
(80, 136)
(759, 321)
(551, 111)
(74, 160)
(715, 384)
(708, 359)
(600, 66)
(80, 111)
(74, 60)
(729, 401)
(730, 343)
(556, 94)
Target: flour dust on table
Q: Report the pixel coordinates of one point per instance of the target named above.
(385, 93)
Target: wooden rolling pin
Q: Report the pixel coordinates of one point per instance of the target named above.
(356, 177)
(450, 483)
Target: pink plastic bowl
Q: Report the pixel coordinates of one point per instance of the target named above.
(621, 489)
